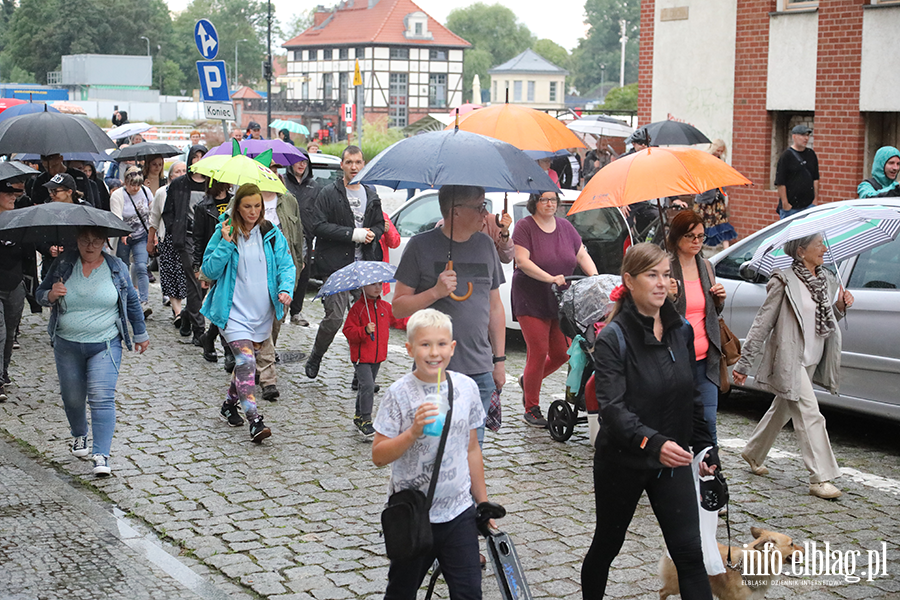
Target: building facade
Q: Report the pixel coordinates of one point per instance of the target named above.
(747, 71)
(409, 63)
(531, 80)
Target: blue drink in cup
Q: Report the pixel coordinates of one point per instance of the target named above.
(434, 429)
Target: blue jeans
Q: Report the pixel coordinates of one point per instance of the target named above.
(137, 247)
(784, 214)
(709, 396)
(89, 372)
(486, 387)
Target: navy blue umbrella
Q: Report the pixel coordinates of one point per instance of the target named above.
(25, 109)
(455, 157)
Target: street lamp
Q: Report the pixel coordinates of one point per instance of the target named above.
(146, 39)
(236, 84)
(603, 81)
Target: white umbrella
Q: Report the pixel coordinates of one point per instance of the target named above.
(601, 125)
(476, 89)
(128, 130)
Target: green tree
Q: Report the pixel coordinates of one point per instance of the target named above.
(492, 29)
(622, 98)
(602, 45)
(27, 38)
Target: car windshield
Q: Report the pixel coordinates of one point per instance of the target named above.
(324, 175)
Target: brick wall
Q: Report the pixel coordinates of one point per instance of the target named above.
(751, 208)
(645, 62)
(839, 135)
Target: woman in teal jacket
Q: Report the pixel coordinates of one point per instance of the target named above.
(249, 260)
(884, 175)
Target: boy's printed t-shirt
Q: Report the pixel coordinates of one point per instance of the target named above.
(412, 470)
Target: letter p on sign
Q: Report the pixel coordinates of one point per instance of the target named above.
(213, 83)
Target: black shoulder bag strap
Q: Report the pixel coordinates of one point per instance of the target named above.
(440, 452)
(136, 211)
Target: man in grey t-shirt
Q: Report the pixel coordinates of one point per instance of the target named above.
(479, 322)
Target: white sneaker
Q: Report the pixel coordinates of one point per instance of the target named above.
(299, 320)
(101, 465)
(79, 446)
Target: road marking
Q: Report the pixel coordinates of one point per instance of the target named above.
(877, 482)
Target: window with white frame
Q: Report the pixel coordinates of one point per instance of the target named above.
(400, 53)
(327, 86)
(326, 54)
(437, 90)
(552, 91)
(304, 87)
(517, 91)
(788, 5)
(530, 91)
(398, 100)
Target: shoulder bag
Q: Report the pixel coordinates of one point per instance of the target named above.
(730, 344)
(405, 522)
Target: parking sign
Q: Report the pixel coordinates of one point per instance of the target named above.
(213, 83)
(206, 38)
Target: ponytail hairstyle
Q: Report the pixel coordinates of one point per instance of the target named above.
(640, 258)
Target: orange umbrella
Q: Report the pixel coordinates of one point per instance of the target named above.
(524, 128)
(656, 173)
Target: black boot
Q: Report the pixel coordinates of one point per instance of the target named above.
(312, 365)
(209, 347)
(185, 328)
(229, 359)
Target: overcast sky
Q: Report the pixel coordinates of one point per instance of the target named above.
(560, 20)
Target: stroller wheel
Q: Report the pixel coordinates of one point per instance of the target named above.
(561, 420)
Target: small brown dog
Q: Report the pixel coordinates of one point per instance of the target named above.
(733, 584)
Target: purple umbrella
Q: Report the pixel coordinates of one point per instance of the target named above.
(282, 153)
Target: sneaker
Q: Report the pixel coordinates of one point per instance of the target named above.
(534, 417)
(824, 489)
(79, 446)
(145, 306)
(3, 396)
(270, 393)
(299, 320)
(231, 415)
(366, 428)
(151, 277)
(259, 431)
(209, 347)
(229, 362)
(16, 345)
(101, 465)
(312, 365)
(6, 380)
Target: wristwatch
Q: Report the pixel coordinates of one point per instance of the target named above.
(498, 359)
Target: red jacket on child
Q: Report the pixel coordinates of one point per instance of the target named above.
(362, 347)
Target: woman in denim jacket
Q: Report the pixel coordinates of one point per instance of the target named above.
(93, 300)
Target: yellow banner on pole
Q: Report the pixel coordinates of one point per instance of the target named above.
(357, 76)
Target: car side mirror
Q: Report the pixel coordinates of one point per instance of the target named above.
(748, 274)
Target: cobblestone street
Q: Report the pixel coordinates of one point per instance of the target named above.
(297, 518)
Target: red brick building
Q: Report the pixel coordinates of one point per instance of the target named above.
(747, 71)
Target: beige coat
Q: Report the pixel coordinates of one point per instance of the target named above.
(777, 333)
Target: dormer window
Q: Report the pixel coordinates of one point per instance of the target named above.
(417, 26)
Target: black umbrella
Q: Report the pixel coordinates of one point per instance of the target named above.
(455, 157)
(674, 133)
(57, 223)
(15, 170)
(143, 150)
(47, 133)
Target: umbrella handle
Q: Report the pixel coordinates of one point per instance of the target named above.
(452, 294)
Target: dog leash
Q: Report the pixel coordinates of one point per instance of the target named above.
(728, 563)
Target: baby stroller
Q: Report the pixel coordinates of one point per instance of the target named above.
(582, 306)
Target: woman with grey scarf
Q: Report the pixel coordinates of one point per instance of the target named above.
(799, 321)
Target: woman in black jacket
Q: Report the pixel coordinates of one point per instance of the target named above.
(301, 184)
(652, 417)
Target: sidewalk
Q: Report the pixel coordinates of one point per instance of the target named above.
(59, 542)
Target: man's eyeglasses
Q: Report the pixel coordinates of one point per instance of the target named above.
(700, 237)
(91, 242)
(483, 207)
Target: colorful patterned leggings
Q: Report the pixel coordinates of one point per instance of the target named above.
(243, 380)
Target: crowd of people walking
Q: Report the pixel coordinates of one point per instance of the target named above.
(241, 258)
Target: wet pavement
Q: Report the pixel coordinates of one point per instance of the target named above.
(298, 516)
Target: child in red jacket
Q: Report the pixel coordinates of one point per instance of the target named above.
(367, 329)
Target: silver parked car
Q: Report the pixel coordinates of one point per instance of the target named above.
(604, 231)
(870, 358)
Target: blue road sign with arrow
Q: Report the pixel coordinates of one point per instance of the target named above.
(206, 38)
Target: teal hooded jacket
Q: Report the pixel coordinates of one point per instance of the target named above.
(220, 263)
(866, 189)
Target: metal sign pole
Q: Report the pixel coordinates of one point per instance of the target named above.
(360, 98)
